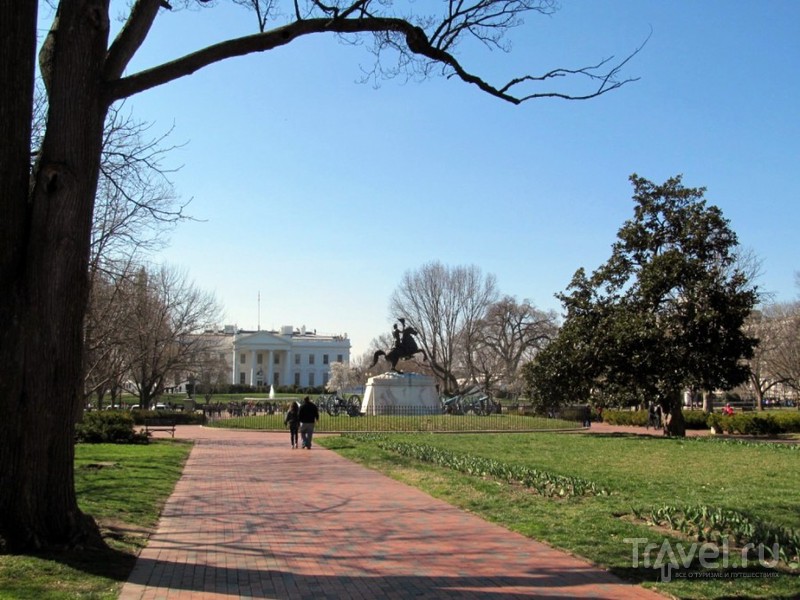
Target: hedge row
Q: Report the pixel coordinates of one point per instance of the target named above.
(629, 418)
(119, 426)
(180, 417)
(749, 423)
(695, 419)
(756, 423)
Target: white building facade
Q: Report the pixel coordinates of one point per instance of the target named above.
(286, 357)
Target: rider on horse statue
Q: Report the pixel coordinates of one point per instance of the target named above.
(405, 346)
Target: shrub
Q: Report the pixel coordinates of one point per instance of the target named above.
(575, 413)
(633, 418)
(756, 423)
(788, 421)
(104, 427)
(695, 419)
(715, 422)
(181, 418)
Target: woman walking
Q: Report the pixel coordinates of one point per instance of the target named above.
(293, 421)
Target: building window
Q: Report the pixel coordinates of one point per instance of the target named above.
(339, 358)
(242, 358)
(324, 359)
(325, 378)
(297, 359)
(241, 378)
(311, 380)
(311, 359)
(297, 379)
(277, 359)
(260, 359)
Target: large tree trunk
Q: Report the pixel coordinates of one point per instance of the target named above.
(708, 402)
(674, 423)
(759, 397)
(44, 283)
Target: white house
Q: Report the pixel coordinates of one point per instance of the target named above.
(286, 357)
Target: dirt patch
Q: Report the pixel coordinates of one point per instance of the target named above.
(96, 466)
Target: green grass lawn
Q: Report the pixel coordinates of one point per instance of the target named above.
(124, 487)
(641, 474)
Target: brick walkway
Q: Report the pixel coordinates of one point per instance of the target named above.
(252, 518)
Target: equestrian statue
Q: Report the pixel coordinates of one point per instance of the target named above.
(405, 346)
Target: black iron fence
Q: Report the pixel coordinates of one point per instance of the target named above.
(446, 418)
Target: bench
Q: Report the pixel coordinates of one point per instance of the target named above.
(159, 424)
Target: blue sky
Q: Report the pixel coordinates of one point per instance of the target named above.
(319, 192)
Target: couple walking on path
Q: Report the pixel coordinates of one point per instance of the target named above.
(302, 418)
(240, 524)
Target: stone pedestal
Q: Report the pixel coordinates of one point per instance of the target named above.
(401, 394)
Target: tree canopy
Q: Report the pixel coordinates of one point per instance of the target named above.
(665, 312)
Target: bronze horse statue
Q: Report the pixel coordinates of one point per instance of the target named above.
(405, 349)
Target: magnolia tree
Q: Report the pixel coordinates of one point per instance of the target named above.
(665, 313)
(47, 190)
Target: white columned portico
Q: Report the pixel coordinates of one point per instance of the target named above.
(287, 365)
(252, 367)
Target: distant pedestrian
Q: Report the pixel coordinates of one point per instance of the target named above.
(727, 410)
(292, 419)
(308, 415)
(654, 416)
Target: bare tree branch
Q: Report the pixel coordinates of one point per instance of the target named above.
(135, 201)
(163, 313)
(263, 10)
(417, 51)
(131, 36)
(510, 333)
(445, 304)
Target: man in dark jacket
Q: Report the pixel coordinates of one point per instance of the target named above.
(309, 415)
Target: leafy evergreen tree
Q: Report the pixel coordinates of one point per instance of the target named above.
(663, 314)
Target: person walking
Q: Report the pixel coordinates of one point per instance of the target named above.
(308, 415)
(293, 421)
